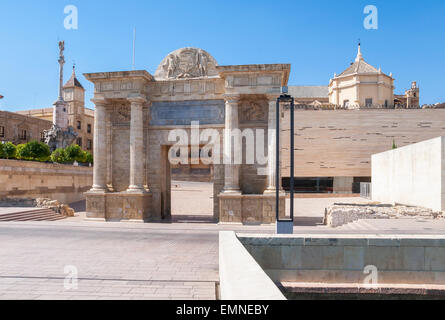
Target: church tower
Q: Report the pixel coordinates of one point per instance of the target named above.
(74, 96)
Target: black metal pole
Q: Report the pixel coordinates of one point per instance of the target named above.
(277, 161)
(292, 158)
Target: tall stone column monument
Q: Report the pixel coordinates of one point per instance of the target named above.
(60, 135)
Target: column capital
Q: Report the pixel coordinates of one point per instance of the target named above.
(272, 97)
(99, 102)
(232, 98)
(137, 100)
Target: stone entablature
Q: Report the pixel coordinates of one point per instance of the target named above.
(135, 111)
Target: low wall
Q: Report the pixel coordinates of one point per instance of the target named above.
(26, 179)
(241, 278)
(402, 259)
(411, 175)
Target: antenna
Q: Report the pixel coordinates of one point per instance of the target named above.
(134, 47)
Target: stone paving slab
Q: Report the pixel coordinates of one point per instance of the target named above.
(133, 261)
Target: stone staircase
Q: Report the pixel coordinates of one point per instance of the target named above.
(33, 214)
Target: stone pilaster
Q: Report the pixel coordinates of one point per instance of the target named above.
(231, 169)
(137, 156)
(100, 147)
(272, 146)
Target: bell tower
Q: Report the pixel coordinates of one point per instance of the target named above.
(74, 96)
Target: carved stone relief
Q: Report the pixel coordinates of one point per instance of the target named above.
(253, 111)
(187, 63)
(121, 115)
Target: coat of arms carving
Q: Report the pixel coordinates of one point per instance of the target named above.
(187, 63)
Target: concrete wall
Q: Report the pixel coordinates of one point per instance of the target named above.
(241, 278)
(26, 179)
(402, 259)
(412, 175)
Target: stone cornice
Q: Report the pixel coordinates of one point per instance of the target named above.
(119, 75)
(284, 69)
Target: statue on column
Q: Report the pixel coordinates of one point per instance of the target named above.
(60, 135)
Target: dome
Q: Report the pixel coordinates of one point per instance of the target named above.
(187, 63)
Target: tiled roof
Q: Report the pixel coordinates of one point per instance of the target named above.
(73, 82)
(360, 66)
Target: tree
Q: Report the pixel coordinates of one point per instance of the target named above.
(8, 151)
(59, 156)
(89, 157)
(33, 150)
(74, 153)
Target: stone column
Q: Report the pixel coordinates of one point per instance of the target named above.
(100, 147)
(272, 145)
(137, 156)
(231, 170)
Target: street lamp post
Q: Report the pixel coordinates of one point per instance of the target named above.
(285, 226)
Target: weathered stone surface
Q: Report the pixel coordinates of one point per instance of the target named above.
(56, 206)
(340, 214)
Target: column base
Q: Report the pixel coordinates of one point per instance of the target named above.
(98, 189)
(119, 206)
(136, 189)
(231, 191)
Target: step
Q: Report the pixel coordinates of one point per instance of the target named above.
(29, 214)
(39, 215)
(37, 210)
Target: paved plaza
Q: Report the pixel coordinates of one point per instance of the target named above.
(145, 261)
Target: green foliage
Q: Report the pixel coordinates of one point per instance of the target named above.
(38, 151)
(7, 151)
(74, 153)
(19, 152)
(394, 146)
(89, 157)
(59, 156)
(33, 150)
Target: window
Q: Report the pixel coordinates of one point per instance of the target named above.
(89, 128)
(89, 144)
(79, 125)
(415, 94)
(23, 134)
(368, 102)
(79, 142)
(2, 131)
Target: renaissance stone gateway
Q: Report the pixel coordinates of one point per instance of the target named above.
(135, 111)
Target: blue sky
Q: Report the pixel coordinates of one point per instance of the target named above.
(317, 37)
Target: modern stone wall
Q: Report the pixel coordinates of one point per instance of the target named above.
(412, 175)
(340, 143)
(26, 179)
(401, 259)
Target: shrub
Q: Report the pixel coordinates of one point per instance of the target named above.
(89, 157)
(33, 150)
(59, 156)
(73, 153)
(8, 151)
(19, 154)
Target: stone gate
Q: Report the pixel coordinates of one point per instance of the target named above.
(135, 112)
